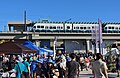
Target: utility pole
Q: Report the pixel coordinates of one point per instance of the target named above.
(25, 21)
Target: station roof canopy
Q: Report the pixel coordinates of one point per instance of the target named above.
(16, 23)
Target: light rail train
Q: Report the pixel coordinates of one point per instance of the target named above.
(64, 27)
(112, 28)
(74, 27)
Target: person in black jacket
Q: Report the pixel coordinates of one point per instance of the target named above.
(73, 67)
(40, 69)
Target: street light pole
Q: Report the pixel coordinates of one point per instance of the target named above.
(54, 47)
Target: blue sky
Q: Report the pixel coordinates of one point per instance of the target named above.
(59, 10)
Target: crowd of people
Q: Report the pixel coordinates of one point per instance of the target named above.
(65, 65)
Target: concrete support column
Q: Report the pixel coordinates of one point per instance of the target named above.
(88, 45)
(54, 49)
(93, 48)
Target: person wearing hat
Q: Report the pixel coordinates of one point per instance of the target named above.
(52, 71)
(40, 69)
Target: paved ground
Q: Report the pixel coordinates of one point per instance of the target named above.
(88, 74)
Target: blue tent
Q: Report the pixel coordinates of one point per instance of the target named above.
(31, 45)
(50, 52)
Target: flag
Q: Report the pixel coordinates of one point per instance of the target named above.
(100, 36)
(97, 37)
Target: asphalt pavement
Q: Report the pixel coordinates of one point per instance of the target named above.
(88, 74)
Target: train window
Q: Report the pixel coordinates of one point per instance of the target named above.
(77, 27)
(109, 27)
(68, 27)
(81, 27)
(116, 27)
(46, 27)
(42, 26)
(84, 27)
(54, 27)
(58, 27)
(105, 27)
(112, 27)
(61, 27)
(88, 27)
(93, 27)
(34, 27)
(50, 27)
(74, 27)
(38, 26)
(119, 28)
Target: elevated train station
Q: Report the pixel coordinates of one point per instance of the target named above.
(71, 41)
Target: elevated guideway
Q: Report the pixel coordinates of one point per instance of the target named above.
(51, 35)
(46, 35)
(73, 41)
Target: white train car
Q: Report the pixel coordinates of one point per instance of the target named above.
(112, 28)
(84, 27)
(68, 27)
(48, 27)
